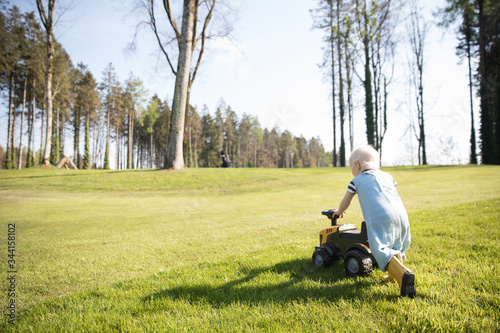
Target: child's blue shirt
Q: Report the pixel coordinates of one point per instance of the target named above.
(385, 215)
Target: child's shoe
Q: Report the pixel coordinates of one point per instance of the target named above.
(408, 285)
(403, 276)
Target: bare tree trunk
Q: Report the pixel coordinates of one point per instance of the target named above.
(8, 160)
(42, 135)
(349, 97)
(255, 155)
(421, 117)
(13, 135)
(20, 161)
(151, 150)
(33, 120)
(332, 55)
(55, 154)
(376, 70)
(175, 147)
(383, 126)
(417, 40)
(48, 130)
(130, 146)
(48, 24)
(30, 133)
(341, 89)
(364, 27)
(61, 134)
(76, 137)
(108, 134)
(468, 39)
(117, 148)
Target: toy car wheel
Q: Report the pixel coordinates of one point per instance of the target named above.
(357, 263)
(322, 258)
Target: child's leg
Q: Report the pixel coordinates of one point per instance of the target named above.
(403, 276)
(388, 277)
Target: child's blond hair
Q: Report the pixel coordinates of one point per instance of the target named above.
(366, 156)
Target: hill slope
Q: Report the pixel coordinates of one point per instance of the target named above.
(229, 249)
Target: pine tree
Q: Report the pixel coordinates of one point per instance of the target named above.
(86, 104)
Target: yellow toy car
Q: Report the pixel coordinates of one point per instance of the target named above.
(347, 242)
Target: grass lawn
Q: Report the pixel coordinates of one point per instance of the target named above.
(229, 250)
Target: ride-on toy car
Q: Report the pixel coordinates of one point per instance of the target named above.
(347, 242)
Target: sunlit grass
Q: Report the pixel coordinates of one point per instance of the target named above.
(229, 250)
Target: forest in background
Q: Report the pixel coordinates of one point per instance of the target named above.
(362, 42)
(112, 116)
(95, 118)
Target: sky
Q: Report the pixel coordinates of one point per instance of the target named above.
(269, 69)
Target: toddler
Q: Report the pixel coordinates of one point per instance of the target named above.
(385, 215)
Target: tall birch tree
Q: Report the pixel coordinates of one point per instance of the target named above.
(187, 41)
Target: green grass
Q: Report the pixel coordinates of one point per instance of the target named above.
(229, 250)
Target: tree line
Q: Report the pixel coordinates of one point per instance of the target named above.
(116, 120)
(39, 82)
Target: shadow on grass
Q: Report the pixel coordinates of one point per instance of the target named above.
(304, 281)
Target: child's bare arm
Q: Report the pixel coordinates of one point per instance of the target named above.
(345, 203)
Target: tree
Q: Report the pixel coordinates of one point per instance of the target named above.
(479, 38)
(349, 26)
(231, 132)
(195, 132)
(220, 123)
(371, 20)
(87, 103)
(270, 142)
(134, 98)
(13, 37)
(161, 128)
(111, 101)
(20, 158)
(467, 47)
(302, 156)
(148, 120)
(326, 21)
(247, 142)
(383, 49)
(349, 64)
(489, 79)
(314, 153)
(257, 137)
(187, 42)
(209, 140)
(340, 43)
(417, 32)
(61, 100)
(46, 16)
(365, 30)
(287, 149)
(175, 158)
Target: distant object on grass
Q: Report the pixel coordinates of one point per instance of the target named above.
(226, 162)
(67, 163)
